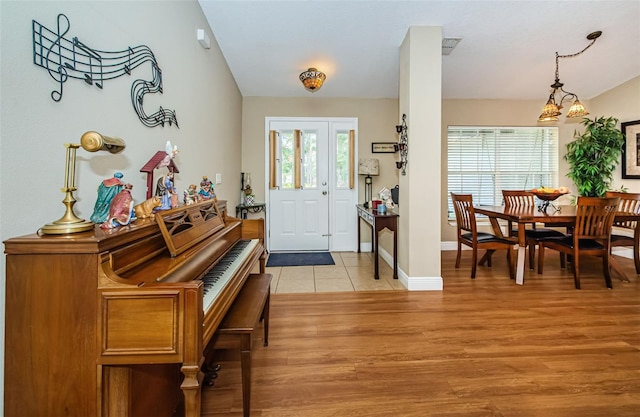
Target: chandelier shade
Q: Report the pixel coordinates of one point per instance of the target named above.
(577, 109)
(312, 79)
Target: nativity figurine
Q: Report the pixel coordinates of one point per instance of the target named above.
(107, 190)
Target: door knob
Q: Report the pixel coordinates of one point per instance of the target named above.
(324, 193)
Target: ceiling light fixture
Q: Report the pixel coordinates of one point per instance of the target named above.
(551, 110)
(312, 79)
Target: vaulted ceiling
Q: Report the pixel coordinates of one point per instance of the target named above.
(507, 49)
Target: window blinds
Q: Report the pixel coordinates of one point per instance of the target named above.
(485, 160)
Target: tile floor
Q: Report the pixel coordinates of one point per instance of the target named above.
(352, 272)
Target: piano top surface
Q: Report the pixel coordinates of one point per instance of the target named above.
(93, 241)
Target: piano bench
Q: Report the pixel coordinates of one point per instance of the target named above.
(249, 308)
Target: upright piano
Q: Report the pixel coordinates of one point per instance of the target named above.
(116, 322)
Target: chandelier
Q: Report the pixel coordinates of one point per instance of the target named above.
(551, 110)
(312, 79)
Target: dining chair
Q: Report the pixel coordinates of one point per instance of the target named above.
(591, 236)
(525, 199)
(468, 235)
(629, 203)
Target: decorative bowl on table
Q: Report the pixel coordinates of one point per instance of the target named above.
(547, 196)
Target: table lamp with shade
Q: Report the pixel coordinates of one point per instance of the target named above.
(368, 167)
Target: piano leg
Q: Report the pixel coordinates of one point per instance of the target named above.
(191, 388)
(116, 394)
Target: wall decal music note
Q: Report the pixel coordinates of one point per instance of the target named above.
(64, 59)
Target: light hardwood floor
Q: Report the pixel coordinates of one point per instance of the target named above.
(483, 347)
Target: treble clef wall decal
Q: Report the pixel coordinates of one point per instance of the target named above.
(64, 59)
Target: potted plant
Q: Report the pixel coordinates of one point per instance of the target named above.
(594, 155)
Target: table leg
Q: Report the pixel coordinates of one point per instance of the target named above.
(375, 252)
(358, 234)
(395, 251)
(522, 253)
(497, 230)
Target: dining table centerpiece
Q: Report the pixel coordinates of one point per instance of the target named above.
(547, 195)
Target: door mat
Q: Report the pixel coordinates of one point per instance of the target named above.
(300, 259)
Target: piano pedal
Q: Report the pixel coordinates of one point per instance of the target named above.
(210, 373)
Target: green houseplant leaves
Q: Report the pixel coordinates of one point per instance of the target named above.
(594, 155)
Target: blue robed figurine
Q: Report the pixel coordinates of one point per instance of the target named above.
(164, 190)
(107, 190)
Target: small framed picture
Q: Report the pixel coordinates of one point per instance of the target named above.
(631, 149)
(384, 147)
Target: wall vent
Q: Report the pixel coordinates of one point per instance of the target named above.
(448, 44)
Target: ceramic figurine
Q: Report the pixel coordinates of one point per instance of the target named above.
(206, 190)
(145, 209)
(190, 195)
(171, 153)
(107, 190)
(164, 190)
(120, 210)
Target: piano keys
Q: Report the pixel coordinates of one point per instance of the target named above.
(224, 270)
(116, 322)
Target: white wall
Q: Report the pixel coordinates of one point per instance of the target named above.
(33, 130)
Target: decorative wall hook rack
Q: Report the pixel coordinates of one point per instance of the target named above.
(403, 145)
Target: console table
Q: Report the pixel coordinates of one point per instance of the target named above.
(378, 222)
(243, 209)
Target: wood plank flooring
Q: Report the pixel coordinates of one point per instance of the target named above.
(479, 348)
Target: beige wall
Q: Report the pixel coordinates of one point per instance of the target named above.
(377, 119)
(197, 85)
(622, 102)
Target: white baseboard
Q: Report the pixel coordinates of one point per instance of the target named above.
(411, 283)
(623, 251)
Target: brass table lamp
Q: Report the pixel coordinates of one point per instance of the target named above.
(69, 222)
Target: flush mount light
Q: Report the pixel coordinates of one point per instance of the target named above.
(312, 79)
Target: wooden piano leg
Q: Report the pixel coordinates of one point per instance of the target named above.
(116, 400)
(191, 388)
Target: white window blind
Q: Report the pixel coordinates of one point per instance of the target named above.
(483, 161)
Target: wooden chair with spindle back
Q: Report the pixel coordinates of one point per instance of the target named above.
(591, 236)
(629, 203)
(525, 199)
(468, 235)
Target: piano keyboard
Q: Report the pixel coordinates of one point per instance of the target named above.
(218, 276)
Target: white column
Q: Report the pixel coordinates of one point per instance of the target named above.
(420, 206)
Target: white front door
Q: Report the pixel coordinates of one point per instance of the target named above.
(310, 185)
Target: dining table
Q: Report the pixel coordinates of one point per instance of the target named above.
(553, 215)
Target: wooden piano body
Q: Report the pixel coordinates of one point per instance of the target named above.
(111, 322)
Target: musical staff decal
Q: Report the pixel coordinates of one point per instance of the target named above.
(64, 58)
